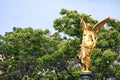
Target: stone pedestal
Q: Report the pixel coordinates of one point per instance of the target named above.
(86, 76)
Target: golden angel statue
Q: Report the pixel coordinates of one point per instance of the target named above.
(89, 39)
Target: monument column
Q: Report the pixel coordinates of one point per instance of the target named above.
(86, 76)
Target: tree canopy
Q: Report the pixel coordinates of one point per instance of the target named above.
(27, 53)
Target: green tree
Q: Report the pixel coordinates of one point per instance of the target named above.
(36, 54)
(69, 23)
(22, 49)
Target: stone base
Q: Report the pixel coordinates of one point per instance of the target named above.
(86, 76)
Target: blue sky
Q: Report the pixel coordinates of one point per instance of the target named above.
(42, 13)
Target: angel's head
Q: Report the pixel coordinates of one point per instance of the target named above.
(89, 26)
(95, 28)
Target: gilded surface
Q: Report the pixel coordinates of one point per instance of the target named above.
(89, 40)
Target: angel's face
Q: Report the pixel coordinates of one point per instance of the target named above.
(87, 35)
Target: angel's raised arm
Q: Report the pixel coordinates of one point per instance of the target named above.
(82, 23)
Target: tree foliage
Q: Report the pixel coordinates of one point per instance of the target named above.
(28, 54)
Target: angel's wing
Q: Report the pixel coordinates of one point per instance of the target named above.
(99, 25)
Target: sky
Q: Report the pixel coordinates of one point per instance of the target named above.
(41, 13)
